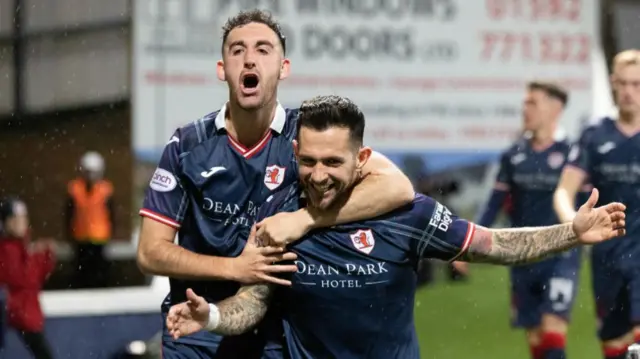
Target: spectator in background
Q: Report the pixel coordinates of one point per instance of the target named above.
(24, 267)
(90, 221)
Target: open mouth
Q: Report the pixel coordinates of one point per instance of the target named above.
(250, 81)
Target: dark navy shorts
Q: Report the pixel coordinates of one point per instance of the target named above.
(548, 287)
(175, 350)
(616, 287)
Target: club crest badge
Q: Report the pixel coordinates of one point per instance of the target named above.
(274, 176)
(555, 160)
(363, 240)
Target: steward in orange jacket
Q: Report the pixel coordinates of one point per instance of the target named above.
(90, 221)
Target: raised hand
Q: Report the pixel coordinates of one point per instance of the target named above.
(594, 225)
(188, 317)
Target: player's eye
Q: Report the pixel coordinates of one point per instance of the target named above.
(307, 162)
(333, 162)
(236, 51)
(263, 51)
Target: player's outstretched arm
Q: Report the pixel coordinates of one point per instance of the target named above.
(232, 316)
(522, 245)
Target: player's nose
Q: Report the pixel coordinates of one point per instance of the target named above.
(319, 176)
(249, 60)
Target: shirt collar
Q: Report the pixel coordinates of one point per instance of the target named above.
(559, 135)
(277, 124)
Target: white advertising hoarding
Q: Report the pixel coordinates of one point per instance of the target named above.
(430, 75)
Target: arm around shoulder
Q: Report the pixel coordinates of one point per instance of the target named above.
(396, 186)
(384, 188)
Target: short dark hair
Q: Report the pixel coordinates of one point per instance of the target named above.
(258, 16)
(552, 90)
(323, 112)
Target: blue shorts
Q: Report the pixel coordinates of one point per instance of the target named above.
(249, 345)
(548, 287)
(616, 287)
(175, 350)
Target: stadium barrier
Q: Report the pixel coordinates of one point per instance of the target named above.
(96, 323)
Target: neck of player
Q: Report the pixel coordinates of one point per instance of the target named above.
(630, 122)
(543, 138)
(248, 127)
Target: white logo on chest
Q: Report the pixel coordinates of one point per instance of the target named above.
(519, 158)
(608, 146)
(212, 171)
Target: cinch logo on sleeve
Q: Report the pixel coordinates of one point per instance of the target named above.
(163, 181)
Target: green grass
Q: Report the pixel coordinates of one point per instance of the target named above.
(471, 320)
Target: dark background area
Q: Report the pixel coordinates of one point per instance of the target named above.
(39, 155)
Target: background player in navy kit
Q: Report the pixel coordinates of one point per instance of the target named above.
(353, 293)
(216, 172)
(542, 293)
(608, 153)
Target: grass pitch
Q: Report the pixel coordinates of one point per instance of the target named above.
(471, 320)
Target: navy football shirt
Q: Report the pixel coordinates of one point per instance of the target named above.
(353, 294)
(530, 177)
(611, 160)
(210, 188)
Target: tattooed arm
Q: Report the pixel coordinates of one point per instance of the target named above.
(243, 311)
(519, 245)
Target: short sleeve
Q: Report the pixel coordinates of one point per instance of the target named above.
(446, 235)
(579, 153)
(165, 199)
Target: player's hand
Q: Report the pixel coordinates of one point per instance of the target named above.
(284, 228)
(188, 317)
(594, 225)
(257, 264)
(461, 267)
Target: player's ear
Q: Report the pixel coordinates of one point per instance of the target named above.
(220, 71)
(364, 153)
(295, 147)
(285, 68)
